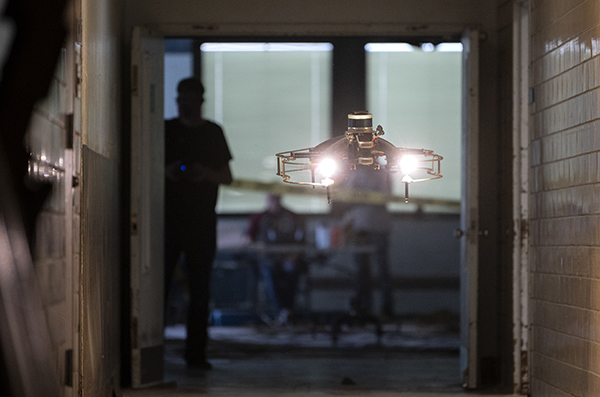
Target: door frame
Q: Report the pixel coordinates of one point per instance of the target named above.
(520, 196)
(470, 124)
(147, 204)
(469, 222)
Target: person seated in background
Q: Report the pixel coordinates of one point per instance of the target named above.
(280, 271)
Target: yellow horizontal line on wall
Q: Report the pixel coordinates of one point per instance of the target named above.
(338, 194)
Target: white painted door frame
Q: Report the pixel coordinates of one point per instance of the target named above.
(147, 208)
(469, 218)
(520, 191)
(470, 207)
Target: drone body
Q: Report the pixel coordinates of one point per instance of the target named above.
(360, 146)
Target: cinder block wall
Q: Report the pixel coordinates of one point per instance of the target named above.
(52, 253)
(53, 141)
(565, 192)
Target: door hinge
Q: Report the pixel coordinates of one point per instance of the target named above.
(69, 367)
(531, 95)
(134, 225)
(70, 130)
(134, 332)
(134, 80)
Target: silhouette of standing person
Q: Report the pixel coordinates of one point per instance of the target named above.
(196, 163)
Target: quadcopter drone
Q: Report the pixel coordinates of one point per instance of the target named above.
(360, 146)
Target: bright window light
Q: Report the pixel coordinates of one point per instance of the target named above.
(400, 87)
(267, 72)
(389, 47)
(264, 47)
(449, 47)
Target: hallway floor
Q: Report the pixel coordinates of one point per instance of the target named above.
(413, 360)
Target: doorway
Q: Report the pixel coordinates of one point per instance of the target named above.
(354, 91)
(412, 89)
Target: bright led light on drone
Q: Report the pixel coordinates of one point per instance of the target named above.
(327, 168)
(327, 182)
(408, 164)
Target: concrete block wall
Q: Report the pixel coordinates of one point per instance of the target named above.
(75, 144)
(48, 142)
(565, 187)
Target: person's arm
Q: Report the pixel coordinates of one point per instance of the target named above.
(220, 176)
(172, 170)
(224, 175)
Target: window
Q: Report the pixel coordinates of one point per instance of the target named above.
(414, 93)
(179, 64)
(274, 97)
(269, 98)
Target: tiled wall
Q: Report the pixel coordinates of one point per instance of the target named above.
(565, 198)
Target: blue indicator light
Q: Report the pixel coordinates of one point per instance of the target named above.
(182, 168)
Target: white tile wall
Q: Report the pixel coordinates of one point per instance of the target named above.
(565, 224)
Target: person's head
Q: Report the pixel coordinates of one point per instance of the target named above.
(190, 96)
(273, 202)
